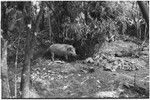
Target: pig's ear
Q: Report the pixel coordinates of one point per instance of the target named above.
(69, 49)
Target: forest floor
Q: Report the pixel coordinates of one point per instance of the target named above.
(118, 70)
(113, 73)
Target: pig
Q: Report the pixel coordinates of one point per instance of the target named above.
(61, 50)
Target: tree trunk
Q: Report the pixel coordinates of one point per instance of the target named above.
(39, 17)
(25, 78)
(25, 75)
(4, 22)
(144, 11)
(16, 64)
(5, 80)
(30, 42)
(50, 28)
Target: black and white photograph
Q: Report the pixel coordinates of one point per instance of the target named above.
(74, 49)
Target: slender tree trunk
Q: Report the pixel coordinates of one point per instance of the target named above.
(4, 22)
(5, 80)
(144, 11)
(50, 28)
(16, 65)
(25, 75)
(25, 78)
(39, 17)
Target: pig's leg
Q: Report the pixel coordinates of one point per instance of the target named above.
(52, 56)
(67, 57)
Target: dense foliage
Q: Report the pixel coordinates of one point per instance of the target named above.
(82, 24)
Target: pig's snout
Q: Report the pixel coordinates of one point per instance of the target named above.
(72, 51)
(74, 54)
